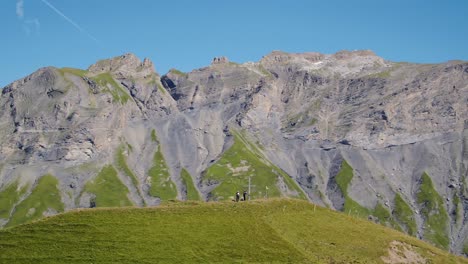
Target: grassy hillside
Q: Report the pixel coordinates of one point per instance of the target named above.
(282, 231)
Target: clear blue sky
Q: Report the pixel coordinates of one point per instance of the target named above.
(186, 34)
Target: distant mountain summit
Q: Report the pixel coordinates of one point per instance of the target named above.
(382, 140)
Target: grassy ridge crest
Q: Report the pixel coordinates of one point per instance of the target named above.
(260, 231)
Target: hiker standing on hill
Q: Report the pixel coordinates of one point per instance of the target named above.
(237, 196)
(245, 196)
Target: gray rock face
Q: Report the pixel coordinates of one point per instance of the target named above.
(308, 112)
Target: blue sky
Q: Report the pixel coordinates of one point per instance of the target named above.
(187, 34)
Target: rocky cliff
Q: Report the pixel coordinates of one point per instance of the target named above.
(376, 139)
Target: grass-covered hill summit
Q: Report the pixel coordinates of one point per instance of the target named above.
(286, 230)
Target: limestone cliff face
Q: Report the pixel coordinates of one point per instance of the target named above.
(351, 131)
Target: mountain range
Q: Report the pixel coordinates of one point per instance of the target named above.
(382, 140)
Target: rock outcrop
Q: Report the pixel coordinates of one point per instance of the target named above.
(219, 60)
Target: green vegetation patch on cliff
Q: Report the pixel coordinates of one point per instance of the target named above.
(110, 85)
(343, 179)
(382, 75)
(44, 197)
(434, 213)
(465, 248)
(122, 164)
(154, 81)
(264, 71)
(161, 183)
(177, 72)
(109, 190)
(385, 217)
(241, 161)
(154, 138)
(457, 209)
(273, 231)
(404, 215)
(73, 71)
(192, 193)
(9, 196)
(352, 207)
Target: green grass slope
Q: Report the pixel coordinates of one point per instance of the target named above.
(404, 215)
(161, 183)
(105, 80)
(433, 211)
(244, 160)
(111, 86)
(108, 188)
(343, 179)
(192, 193)
(122, 165)
(261, 231)
(400, 219)
(9, 196)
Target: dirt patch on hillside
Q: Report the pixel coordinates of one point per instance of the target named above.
(400, 252)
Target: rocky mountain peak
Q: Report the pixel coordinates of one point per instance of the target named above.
(277, 56)
(45, 74)
(219, 60)
(127, 65)
(281, 56)
(346, 54)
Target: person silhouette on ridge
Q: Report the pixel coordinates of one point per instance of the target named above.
(237, 196)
